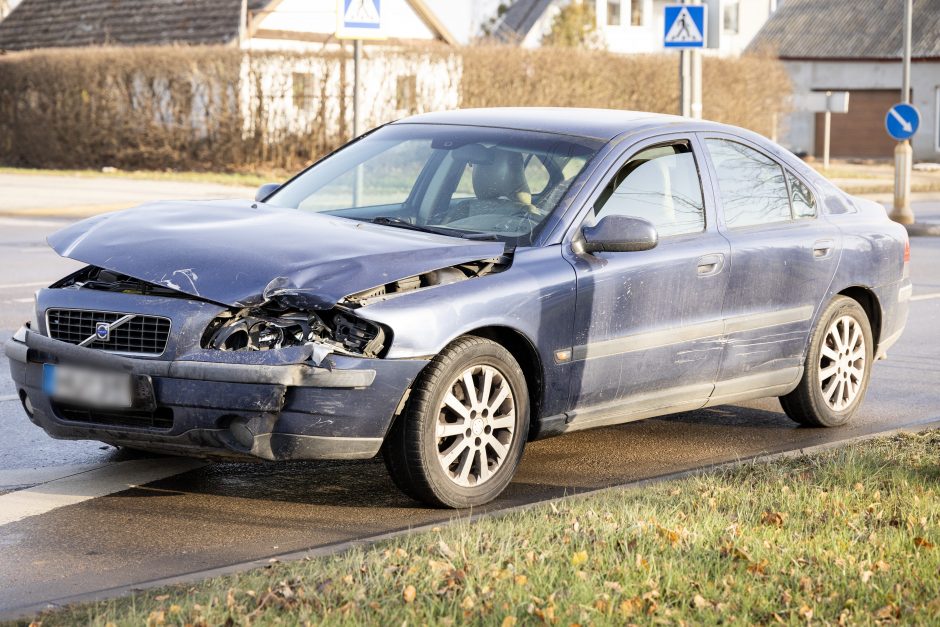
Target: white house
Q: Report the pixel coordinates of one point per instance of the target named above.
(294, 65)
(835, 45)
(636, 26)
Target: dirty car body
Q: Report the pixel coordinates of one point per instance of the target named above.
(296, 326)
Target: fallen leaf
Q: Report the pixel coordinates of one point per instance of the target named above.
(161, 597)
(408, 594)
(806, 612)
(774, 519)
(156, 618)
(888, 612)
(509, 621)
(579, 558)
(700, 602)
(923, 543)
(467, 603)
(445, 550)
(521, 580)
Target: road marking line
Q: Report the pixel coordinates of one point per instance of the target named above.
(89, 485)
(925, 296)
(10, 286)
(34, 476)
(11, 397)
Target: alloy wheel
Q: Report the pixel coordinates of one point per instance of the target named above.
(842, 363)
(476, 424)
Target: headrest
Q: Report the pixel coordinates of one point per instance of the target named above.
(502, 177)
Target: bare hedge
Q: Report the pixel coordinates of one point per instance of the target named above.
(220, 109)
(745, 91)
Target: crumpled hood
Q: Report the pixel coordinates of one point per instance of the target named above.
(231, 251)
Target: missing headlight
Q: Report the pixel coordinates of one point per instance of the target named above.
(261, 330)
(358, 336)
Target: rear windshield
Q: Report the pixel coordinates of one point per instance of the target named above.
(471, 182)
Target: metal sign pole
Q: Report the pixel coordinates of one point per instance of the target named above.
(695, 108)
(685, 83)
(357, 87)
(903, 153)
(685, 26)
(357, 113)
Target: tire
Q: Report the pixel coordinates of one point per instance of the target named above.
(416, 453)
(836, 371)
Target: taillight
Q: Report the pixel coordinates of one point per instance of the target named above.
(907, 250)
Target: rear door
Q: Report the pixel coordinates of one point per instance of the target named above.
(783, 258)
(648, 324)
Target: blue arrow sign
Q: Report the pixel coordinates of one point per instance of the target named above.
(902, 121)
(684, 26)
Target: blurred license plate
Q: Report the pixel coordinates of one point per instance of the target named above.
(93, 388)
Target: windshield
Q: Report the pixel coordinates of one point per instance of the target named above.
(471, 182)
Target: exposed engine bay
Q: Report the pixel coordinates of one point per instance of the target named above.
(279, 322)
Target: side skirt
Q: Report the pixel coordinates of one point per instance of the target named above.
(672, 401)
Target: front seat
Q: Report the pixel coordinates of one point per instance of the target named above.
(500, 186)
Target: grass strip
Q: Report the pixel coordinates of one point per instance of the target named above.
(848, 536)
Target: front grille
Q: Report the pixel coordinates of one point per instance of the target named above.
(141, 335)
(160, 418)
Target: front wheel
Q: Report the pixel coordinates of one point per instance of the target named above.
(837, 368)
(460, 438)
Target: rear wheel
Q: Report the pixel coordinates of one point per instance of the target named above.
(461, 436)
(837, 368)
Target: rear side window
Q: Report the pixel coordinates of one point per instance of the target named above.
(661, 185)
(802, 199)
(752, 186)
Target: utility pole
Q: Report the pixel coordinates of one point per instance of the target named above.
(903, 153)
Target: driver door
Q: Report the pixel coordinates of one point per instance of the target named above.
(648, 324)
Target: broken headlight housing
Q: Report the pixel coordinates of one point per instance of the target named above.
(263, 329)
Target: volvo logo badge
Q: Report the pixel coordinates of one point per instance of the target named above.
(102, 331)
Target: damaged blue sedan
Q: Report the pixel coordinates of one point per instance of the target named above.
(451, 286)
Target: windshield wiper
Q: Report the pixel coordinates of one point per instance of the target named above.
(405, 224)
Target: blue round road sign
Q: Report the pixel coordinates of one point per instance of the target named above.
(902, 121)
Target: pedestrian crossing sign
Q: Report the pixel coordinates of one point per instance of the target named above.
(359, 19)
(684, 26)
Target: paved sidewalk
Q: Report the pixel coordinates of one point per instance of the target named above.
(38, 195)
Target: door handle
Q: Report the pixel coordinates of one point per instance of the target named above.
(822, 249)
(710, 265)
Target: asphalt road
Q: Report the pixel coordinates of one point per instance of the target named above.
(90, 532)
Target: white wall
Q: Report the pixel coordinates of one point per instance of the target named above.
(268, 79)
(752, 14)
(799, 128)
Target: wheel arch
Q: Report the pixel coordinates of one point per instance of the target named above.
(524, 352)
(872, 306)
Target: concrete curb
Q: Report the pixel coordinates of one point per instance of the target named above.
(341, 547)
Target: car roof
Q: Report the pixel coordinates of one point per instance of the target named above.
(602, 124)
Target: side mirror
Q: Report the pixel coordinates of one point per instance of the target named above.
(619, 234)
(266, 190)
